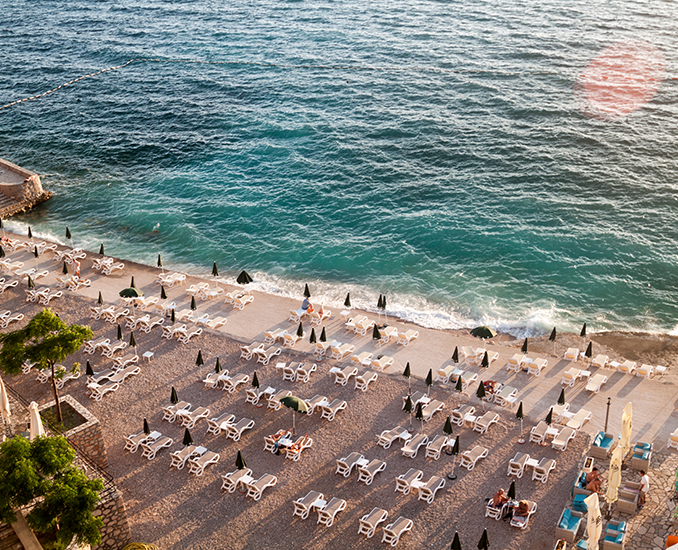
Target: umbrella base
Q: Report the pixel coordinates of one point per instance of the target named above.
(452, 476)
(448, 451)
(521, 441)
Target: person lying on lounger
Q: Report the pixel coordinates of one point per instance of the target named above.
(522, 510)
(593, 481)
(499, 499)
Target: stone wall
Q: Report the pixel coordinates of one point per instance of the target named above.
(23, 186)
(115, 534)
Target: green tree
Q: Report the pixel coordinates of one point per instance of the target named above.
(45, 341)
(43, 471)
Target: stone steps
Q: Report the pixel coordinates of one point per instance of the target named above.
(8, 538)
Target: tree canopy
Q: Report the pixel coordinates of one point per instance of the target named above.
(43, 469)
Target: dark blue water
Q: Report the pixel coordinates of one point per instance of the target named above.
(482, 192)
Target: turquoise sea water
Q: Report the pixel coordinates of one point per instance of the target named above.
(484, 195)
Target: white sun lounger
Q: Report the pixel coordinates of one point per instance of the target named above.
(341, 351)
(535, 366)
(342, 376)
(538, 432)
(304, 371)
(457, 415)
(240, 303)
(366, 473)
(428, 491)
(506, 396)
(6, 321)
(411, 448)
(431, 408)
(563, 438)
(363, 380)
(395, 530)
(405, 338)
(235, 430)
(389, 436)
(600, 361)
(256, 488)
(595, 383)
(112, 268)
(90, 346)
(627, 367)
(483, 423)
(404, 481)
(229, 482)
(345, 465)
(516, 466)
(265, 355)
(169, 412)
(471, 457)
(132, 442)
(231, 384)
(522, 521)
(543, 469)
(122, 362)
(579, 419)
(435, 447)
(365, 358)
(151, 449)
(328, 513)
(315, 402)
(247, 352)
(382, 363)
(572, 354)
(212, 323)
(303, 506)
(271, 336)
(179, 458)
(214, 424)
(297, 315)
(317, 318)
(97, 391)
(293, 452)
(329, 411)
(370, 522)
(570, 377)
(188, 419)
(444, 374)
(109, 350)
(147, 325)
(45, 299)
(197, 465)
(274, 400)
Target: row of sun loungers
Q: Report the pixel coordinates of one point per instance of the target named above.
(8, 318)
(540, 470)
(254, 488)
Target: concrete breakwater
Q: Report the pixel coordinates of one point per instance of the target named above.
(20, 189)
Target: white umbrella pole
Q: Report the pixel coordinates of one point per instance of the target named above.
(294, 424)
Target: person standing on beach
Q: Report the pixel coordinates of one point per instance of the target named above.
(644, 488)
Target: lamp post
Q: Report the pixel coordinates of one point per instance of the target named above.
(607, 415)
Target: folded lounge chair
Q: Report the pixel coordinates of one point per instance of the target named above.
(345, 465)
(428, 491)
(229, 482)
(482, 423)
(256, 488)
(327, 514)
(329, 411)
(197, 465)
(370, 522)
(516, 465)
(471, 457)
(404, 481)
(366, 473)
(395, 530)
(389, 436)
(411, 448)
(151, 449)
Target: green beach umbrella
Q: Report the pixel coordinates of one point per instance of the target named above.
(312, 339)
(408, 409)
(217, 366)
(30, 233)
(255, 380)
(347, 301)
(173, 316)
(300, 330)
(2, 252)
(131, 292)
(100, 299)
(147, 429)
(429, 381)
(583, 331)
(480, 393)
(524, 348)
(35, 251)
(323, 336)
(447, 428)
(159, 261)
(119, 332)
(455, 355)
(132, 340)
(174, 398)
(240, 462)
(198, 360)
(188, 440)
(307, 292)
(376, 335)
(552, 338)
(379, 301)
(131, 284)
(459, 386)
(31, 284)
(485, 362)
(244, 278)
(65, 269)
(215, 271)
(194, 306)
(484, 542)
(163, 293)
(407, 374)
(456, 544)
(512, 491)
(520, 415)
(483, 332)
(419, 414)
(68, 233)
(101, 249)
(88, 369)
(561, 398)
(296, 404)
(549, 417)
(589, 350)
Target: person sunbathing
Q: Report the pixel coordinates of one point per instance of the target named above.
(593, 481)
(499, 499)
(523, 509)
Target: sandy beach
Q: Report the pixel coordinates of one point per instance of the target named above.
(175, 509)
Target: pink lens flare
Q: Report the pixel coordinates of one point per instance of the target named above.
(623, 78)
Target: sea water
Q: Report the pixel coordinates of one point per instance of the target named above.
(484, 191)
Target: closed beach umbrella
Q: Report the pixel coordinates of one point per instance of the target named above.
(520, 415)
(480, 393)
(193, 304)
(383, 302)
(36, 427)
(455, 453)
(300, 330)
(255, 380)
(240, 461)
(485, 362)
(484, 542)
(429, 381)
(549, 417)
(35, 251)
(408, 409)
(583, 331)
(594, 521)
(132, 340)
(163, 293)
(101, 249)
(307, 292)
(455, 355)
(512, 491)
(159, 261)
(174, 398)
(147, 429)
(131, 283)
(459, 386)
(589, 350)
(68, 233)
(5, 410)
(561, 397)
(376, 335)
(31, 284)
(627, 427)
(2, 252)
(407, 374)
(456, 543)
(419, 414)
(447, 428)
(524, 348)
(30, 233)
(323, 336)
(100, 299)
(198, 360)
(88, 369)
(64, 270)
(217, 366)
(379, 302)
(215, 271)
(119, 335)
(244, 278)
(296, 404)
(188, 440)
(552, 338)
(312, 339)
(614, 475)
(347, 301)
(173, 316)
